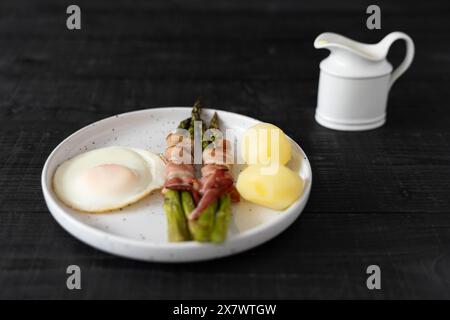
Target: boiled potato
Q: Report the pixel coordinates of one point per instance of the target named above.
(257, 145)
(277, 191)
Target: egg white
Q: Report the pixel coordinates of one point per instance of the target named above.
(147, 175)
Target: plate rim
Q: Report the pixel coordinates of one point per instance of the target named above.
(62, 217)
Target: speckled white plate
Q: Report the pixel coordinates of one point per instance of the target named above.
(139, 231)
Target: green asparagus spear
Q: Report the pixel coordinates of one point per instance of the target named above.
(214, 123)
(195, 115)
(176, 220)
(220, 225)
(187, 202)
(201, 228)
(185, 124)
(223, 216)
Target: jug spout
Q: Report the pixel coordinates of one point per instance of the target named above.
(340, 44)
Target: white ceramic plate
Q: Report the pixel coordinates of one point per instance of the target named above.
(139, 231)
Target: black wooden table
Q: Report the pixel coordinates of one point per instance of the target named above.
(379, 197)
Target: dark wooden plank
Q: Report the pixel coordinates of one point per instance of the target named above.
(89, 99)
(256, 19)
(184, 60)
(320, 256)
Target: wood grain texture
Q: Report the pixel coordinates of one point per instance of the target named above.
(379, 197)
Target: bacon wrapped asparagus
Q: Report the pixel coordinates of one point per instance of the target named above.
(180, 179)
(198, 210)
(213, 212)
(202, 224)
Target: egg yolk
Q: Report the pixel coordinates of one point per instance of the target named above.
(106, 179)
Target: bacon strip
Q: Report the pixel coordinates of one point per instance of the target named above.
(178, 154)
(218, 153)
(179, 148)
(183, 172)
(179, 169)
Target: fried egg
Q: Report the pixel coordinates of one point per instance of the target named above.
(108, 178)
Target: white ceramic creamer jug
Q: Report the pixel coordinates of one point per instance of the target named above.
(355, 80)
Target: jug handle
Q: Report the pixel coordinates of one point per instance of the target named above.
(390, 39)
